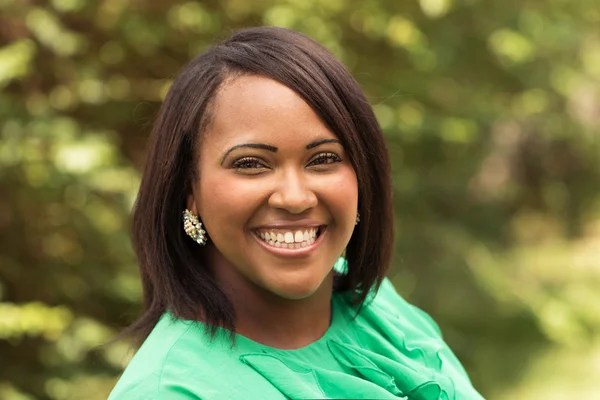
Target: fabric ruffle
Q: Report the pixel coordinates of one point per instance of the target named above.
(391, 350)
(297, 380)
(374, 375)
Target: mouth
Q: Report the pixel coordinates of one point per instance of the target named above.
(290, 241)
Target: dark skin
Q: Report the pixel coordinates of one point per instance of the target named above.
(268, 165)
(280, 323)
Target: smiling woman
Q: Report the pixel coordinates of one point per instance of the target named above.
(269, 166)
(266, 165)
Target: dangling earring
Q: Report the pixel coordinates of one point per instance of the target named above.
(193, 227)
(357, 218)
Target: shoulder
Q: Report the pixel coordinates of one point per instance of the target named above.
(398, 336)
(163, 366)
(388, 316)
(142, 379)
(180, 360)
(388, 303)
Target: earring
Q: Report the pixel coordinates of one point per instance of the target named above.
(193, 227)
(357, 218)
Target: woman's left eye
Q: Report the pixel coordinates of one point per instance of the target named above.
(325, 158)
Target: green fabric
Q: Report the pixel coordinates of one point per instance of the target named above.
(391, 350)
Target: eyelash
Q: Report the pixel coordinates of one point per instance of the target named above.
(246, 163)
(326, 158)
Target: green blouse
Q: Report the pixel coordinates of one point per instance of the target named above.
(391, 350)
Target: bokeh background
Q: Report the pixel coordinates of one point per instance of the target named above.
(492, 114)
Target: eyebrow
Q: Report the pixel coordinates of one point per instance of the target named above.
(273, 148)
(320, 142)
(250, 145)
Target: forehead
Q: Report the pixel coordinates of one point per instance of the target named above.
(259, 109)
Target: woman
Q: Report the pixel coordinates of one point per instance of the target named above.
(266, 165)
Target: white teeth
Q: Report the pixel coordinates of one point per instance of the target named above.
(289, 237)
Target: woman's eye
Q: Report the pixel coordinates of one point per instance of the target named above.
(248, 163)
(325, 158)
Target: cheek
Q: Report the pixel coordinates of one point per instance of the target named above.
(342, 192)
(225, 201)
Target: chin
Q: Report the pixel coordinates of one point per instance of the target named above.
(296, 289)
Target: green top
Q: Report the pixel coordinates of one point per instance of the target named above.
(390, 350)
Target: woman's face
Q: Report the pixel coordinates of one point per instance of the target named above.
(276, 191)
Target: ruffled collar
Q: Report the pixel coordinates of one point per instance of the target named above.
(375, 359)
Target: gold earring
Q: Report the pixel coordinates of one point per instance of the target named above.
(193, 227)
(357, 218)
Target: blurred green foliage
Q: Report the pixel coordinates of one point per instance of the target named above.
(492, 114)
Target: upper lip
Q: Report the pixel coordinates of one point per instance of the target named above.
(305, 223)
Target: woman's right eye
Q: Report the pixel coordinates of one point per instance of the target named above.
(249, 163)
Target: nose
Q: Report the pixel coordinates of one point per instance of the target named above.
(293, 194)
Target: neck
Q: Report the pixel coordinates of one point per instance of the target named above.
(266, 318)
(282, 323)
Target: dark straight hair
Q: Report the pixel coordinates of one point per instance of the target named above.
(173, 268)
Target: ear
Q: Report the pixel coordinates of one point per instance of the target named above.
(190, 203)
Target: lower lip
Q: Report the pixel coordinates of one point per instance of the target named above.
(294, 253)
